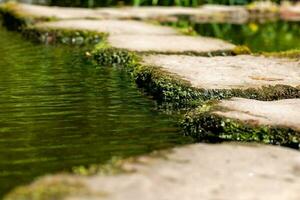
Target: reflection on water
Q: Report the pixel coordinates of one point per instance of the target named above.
(57, 110)
(268, 36)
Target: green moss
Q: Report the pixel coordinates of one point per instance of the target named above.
(284, 54)
(172, 91)
(63, 36)
(54, 188)
(112, 167)
(240, 50)
(206, 126)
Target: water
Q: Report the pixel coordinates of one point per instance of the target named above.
(57, 110)
(259, 37)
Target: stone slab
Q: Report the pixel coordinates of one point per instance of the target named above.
(231, 72)
(282, 113)
(201, 171)
(38, 11)
(168, 44)
(127, 27)
(148, 12)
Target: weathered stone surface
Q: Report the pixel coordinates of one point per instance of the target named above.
(110, 27)
(54, 12)
(169, 44)
(231, 72)
(227, 171)
(283, 113)
(143, 13)
(238, 119)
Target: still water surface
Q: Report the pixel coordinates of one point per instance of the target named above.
(270, 36)
(57, 110)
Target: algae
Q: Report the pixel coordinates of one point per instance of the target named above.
(204, 125)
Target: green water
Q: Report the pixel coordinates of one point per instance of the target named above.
(259, 37)
(57, 110)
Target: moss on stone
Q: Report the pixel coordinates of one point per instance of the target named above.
(112, 167)
(172, 91)
(48, 189)
(284, 54)
(63, 36)
(206, 126)
(241, 50)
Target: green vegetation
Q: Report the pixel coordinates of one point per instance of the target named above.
(259, 37)
(206, 126)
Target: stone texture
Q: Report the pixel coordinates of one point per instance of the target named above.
(142, 13)
(201, 171)
(283, 113)
(110, 26)
(56, 12)
(169, 44)
(244, 71)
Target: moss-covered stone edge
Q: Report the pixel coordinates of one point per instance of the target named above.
(204, 125)
(293, 54)
(49, 188)
(16, 20)
(171, 90)
(63, 36)
(60, 186)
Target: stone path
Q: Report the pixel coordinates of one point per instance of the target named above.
(140, 13)
(231, 72)
(227, 171)
(207, 13)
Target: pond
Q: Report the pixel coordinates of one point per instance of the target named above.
(259, 37)
(58, 110)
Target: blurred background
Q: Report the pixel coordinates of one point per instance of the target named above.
(97, 3)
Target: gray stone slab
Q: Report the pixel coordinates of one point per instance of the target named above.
(282, 113)
(169, 44)
(227, 171)
(127, 27)
(54, 12)
(231, 72)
